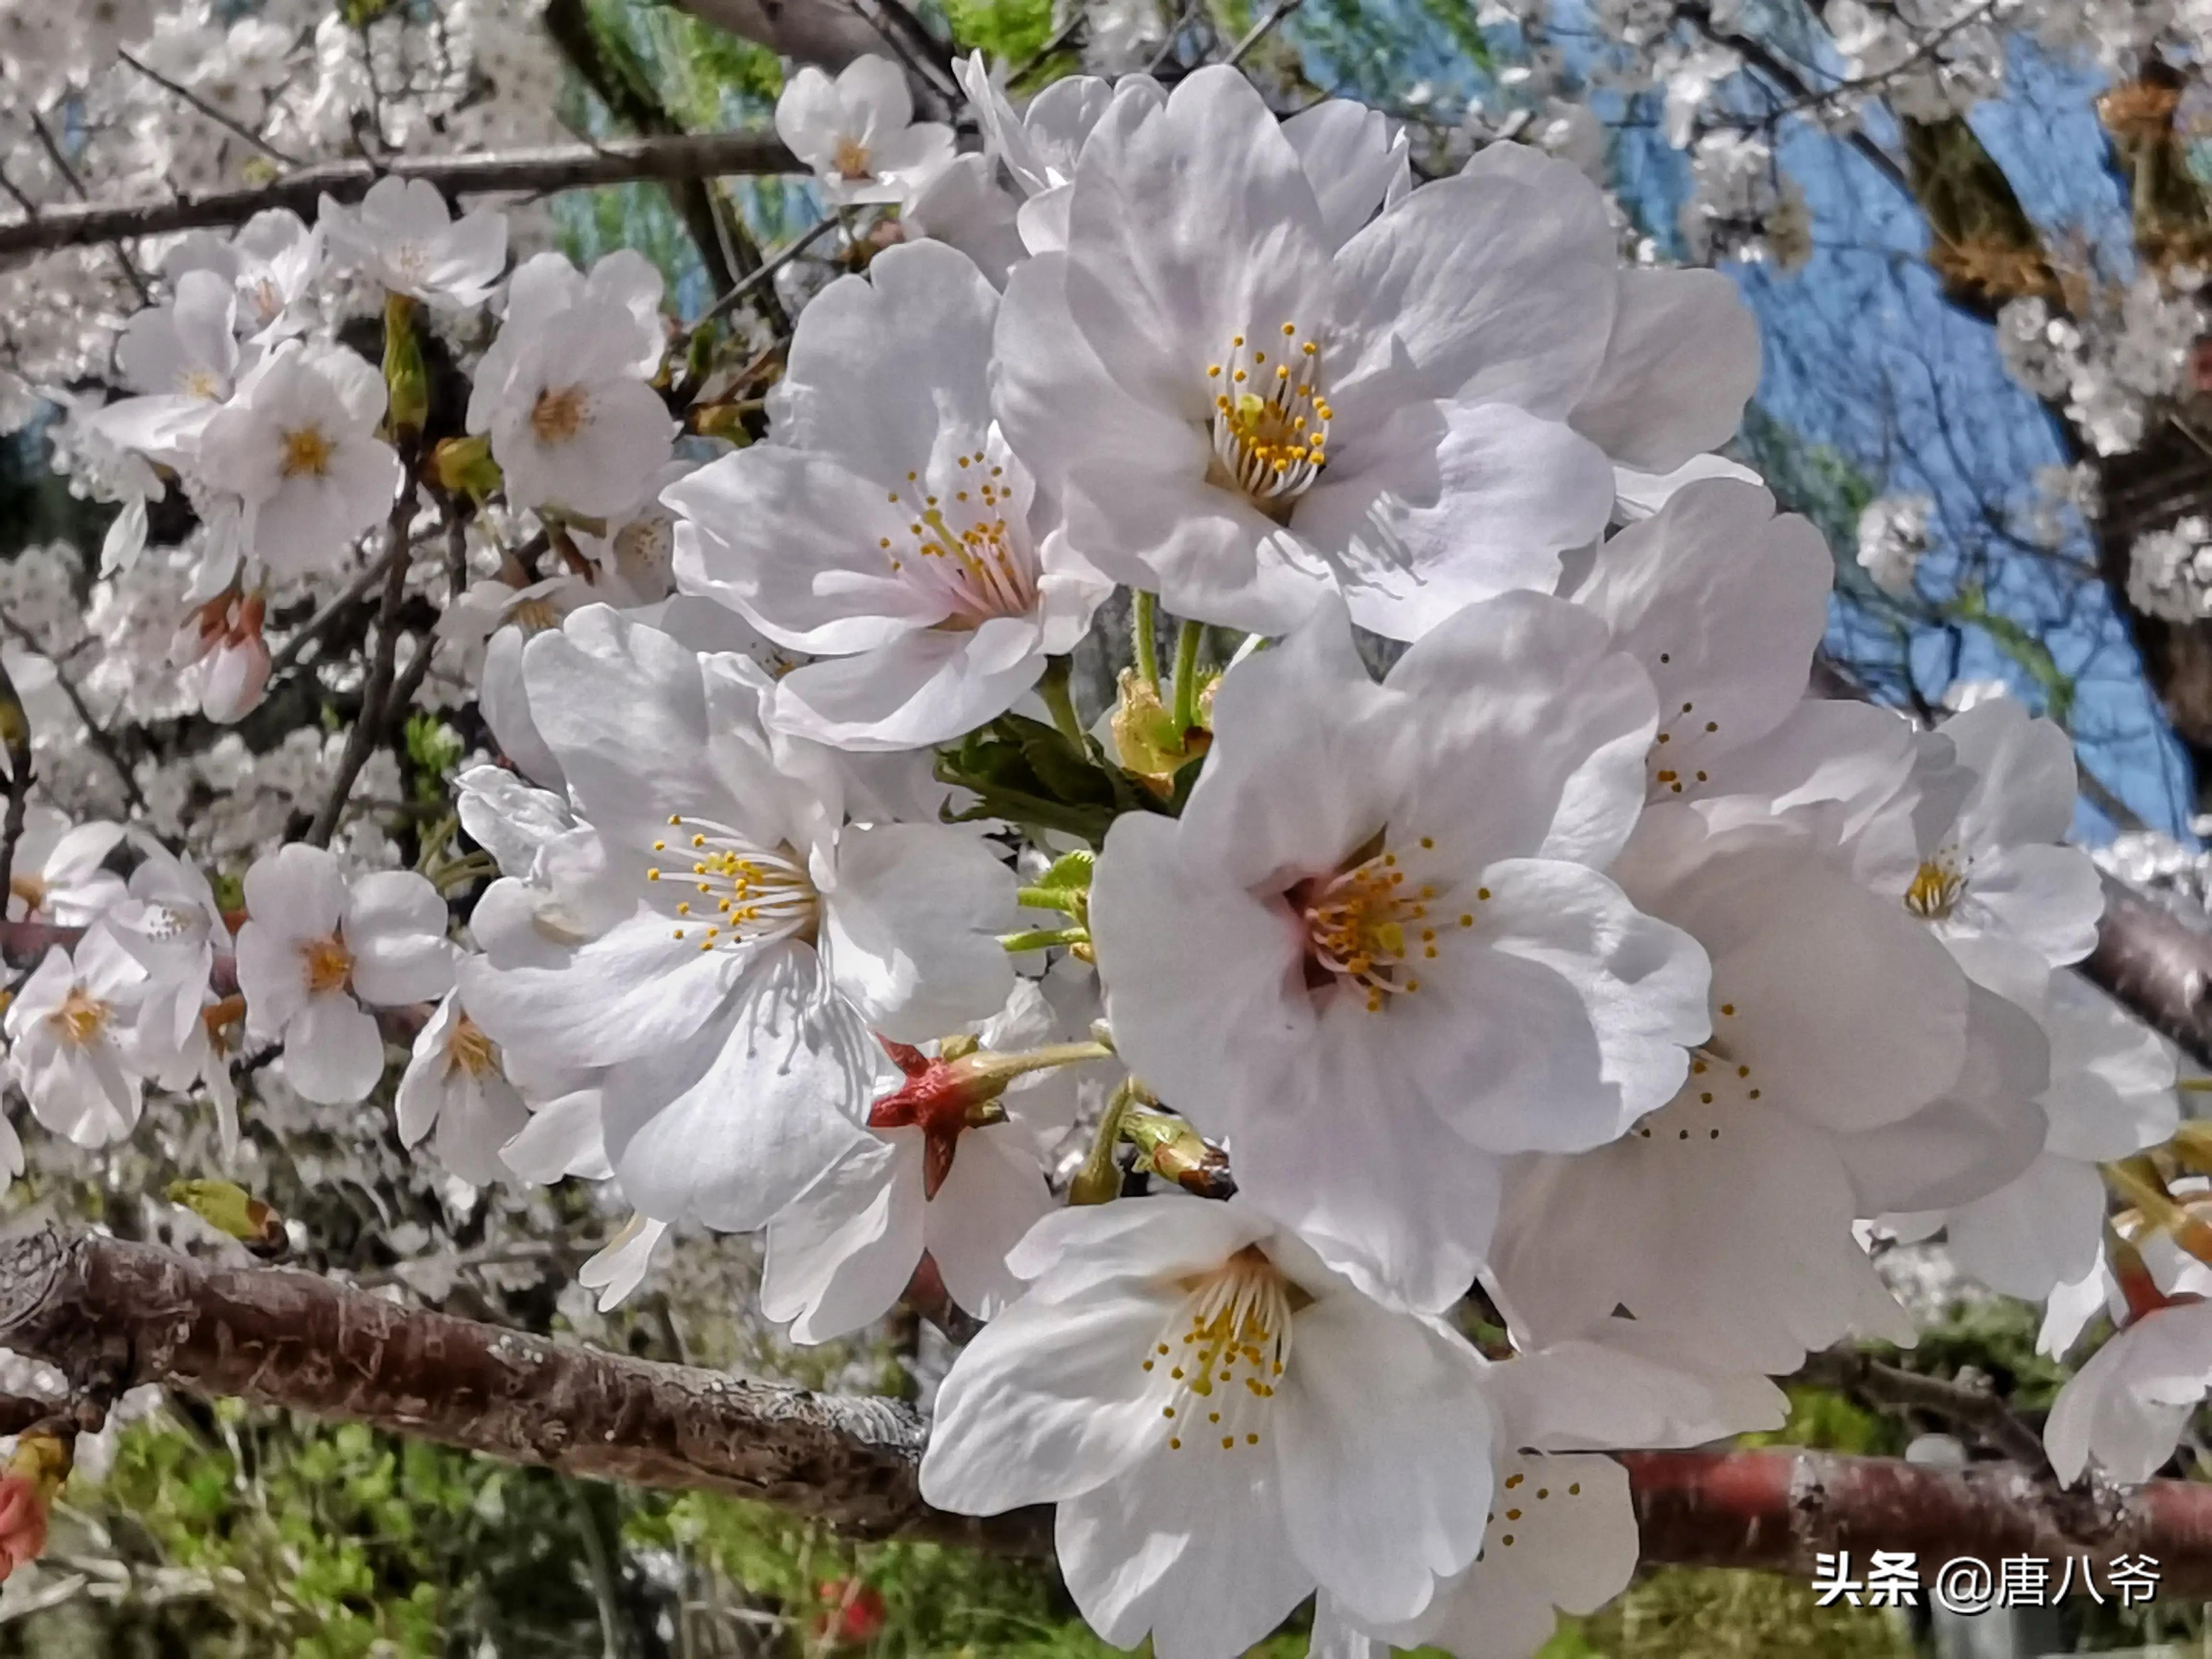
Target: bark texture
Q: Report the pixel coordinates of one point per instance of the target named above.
(1775, 1510)
(2157, 966)
(674, 156)
(112, 1314)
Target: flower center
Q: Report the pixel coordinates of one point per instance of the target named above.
(329, 964)
(307, 451)
(81, 1018)
(29, 888)
(1369, 925)
(1673, 756)
(745, 894)
(268, 300)
(468, 1049)
(850, 160)
(411, 260)
(965, 552)
(1937, 886)
(1270, 422)
(203, 383)
(1224, 1351)
(535, 615)
(560, 414)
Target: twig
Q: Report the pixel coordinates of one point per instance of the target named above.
(556, 167)
(766, 272)
(16, 740)
(54, 153)
(1980, 1409)
(1261, 29)
(236, 128)
(360, 742)
(356, 591)
(95, 733)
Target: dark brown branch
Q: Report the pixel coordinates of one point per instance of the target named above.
(1977, 1409)
(113, 1314)
(560, 167)
(2157, 966)
(376, 700)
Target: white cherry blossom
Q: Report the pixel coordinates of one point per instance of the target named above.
(742, 940)
(318, 952)
(858, 132)
(455, 1083)
(1223, 1423)
(70, 1048)
(563, 390)
(886, 526)
(402, 237)
(298, 447)
(1380, 893)
(1244, 416)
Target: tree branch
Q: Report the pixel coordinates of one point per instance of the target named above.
(113, 1314)
(556, 167)
(2156, 966)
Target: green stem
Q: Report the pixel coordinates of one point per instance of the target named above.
(1064, 899)
(1144, 610)
(1044, 1059)
(1042, 938)
(1053, 688)
(1186, 676)
(1099, 1180)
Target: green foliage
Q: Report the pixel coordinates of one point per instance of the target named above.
(1697, 1613)
(1028, 773)
(433, 749)
(1006, 31)
(2023, 649)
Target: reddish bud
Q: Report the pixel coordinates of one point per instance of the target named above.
(853, 1612)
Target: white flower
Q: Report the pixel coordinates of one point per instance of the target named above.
(959, 1182)
(886, 524)
(858, 132)
(735, 941)
(182, 359)
(2111, 1096)
(70, 1045)
(222, 645)
(1970, 848)
(170, 922)
(1225, 1424)
(314, 950)
(272, 264)
(1244, 414)
(1893, 534)
(2127, 1406)
(1845, 1048)
(564, 389)
(1724, 602)
(402, 237)
(59, 875)
(619, 1267)
(298, 447)
(456, 1083)
(1392, 893)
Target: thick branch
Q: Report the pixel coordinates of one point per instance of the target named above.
(2157, 967)
(113, 1314)
(560, 167)
(1775, 1510)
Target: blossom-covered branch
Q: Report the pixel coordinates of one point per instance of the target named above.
(113, 1314)
(524, 171)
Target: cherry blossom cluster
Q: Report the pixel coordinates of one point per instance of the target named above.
(1460, 1012)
